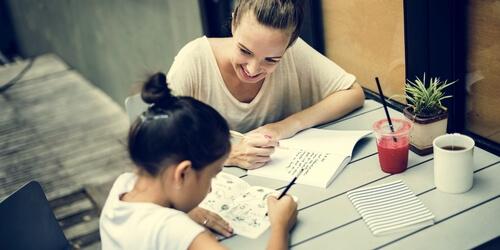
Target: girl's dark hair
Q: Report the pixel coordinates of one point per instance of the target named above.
(174, 129)
(278, 14)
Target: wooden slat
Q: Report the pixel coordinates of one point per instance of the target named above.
(43, 65)
(58, 129)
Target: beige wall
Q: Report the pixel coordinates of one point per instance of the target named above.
(366, 38)
(483, 83)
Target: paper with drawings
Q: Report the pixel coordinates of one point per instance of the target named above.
(243, 206)
(322, 153)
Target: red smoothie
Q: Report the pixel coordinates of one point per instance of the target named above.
(393, 144)
(393, 156)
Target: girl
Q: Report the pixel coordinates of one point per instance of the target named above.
(179, 144)
(264, 78)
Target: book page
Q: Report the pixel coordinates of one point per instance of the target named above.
(302, 162)
(321, 153)
(318, 168)
(340, 142)
(247, 215)
(225, 189)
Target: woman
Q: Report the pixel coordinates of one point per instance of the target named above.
(264, 79)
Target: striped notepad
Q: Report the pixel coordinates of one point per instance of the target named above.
(390, 207)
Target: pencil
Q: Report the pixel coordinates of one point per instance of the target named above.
(287, 187)
(236, 134)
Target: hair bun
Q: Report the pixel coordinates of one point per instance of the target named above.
(156, 91)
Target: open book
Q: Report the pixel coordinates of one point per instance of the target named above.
(319, 155)
(243, 206)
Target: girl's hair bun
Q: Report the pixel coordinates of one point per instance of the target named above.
(157, 92)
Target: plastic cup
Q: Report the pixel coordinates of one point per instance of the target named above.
(393, 146)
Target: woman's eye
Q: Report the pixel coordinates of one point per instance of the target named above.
(245, 52)
(271, 61)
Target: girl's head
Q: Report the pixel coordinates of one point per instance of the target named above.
(179, 140)
(262, 31)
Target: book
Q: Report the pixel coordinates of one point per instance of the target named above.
(319, 155)
(390, 208)
(243, 206)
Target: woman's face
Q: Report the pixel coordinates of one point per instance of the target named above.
(257, 49)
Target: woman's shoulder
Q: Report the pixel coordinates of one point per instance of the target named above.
(300, 47)
(198, 53)
(194, 47)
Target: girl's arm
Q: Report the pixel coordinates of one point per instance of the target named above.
(205, 240)
(282, 215)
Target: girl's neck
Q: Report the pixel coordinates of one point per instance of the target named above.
(149, 190)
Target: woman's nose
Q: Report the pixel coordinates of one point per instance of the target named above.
(253, 68)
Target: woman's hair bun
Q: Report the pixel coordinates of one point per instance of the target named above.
(156, 91)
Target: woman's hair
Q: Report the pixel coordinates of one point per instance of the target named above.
(174, 129)
(278, 14)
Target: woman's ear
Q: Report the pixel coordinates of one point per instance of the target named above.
(232, 23)
(181, 171)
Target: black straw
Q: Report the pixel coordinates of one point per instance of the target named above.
(385, 107)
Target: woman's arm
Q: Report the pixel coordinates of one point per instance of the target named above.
(255, 150)
(332, 107)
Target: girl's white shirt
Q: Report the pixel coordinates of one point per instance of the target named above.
(129, 225)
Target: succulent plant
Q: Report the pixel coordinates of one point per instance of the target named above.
(426, 101)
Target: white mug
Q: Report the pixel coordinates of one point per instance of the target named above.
(453, 163)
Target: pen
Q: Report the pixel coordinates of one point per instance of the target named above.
(289, 186)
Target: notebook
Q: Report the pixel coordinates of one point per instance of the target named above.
(390, 208)
(243, 206)
(319, 155)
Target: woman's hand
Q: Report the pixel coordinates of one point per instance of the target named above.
(279, 130)
(282, 213)
(252, 151)
(211, 221)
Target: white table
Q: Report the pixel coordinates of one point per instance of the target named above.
(327, 219)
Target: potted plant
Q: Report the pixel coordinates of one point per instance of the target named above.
(429, 116)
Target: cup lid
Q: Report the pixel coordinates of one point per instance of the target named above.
(401, 127)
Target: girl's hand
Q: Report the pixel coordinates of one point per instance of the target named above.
(252, 151)
(282, 213)
(211, 221)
